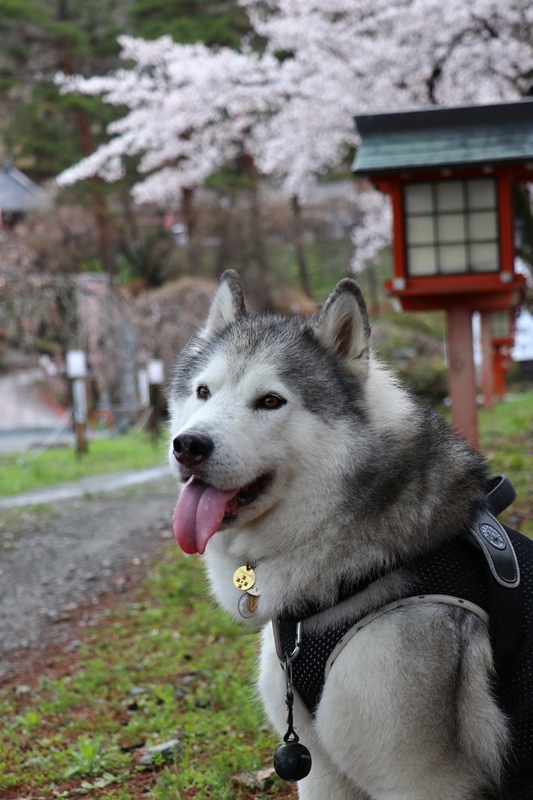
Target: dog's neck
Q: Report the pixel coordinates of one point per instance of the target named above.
(283, 590)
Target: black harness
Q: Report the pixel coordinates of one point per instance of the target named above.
(488, 570)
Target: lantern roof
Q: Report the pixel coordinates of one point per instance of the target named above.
(444, 138)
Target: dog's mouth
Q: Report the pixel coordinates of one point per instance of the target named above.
(202, 509)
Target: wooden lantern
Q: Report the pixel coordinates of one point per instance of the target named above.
(450, 174)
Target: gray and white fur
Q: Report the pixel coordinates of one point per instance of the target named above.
(335, 472)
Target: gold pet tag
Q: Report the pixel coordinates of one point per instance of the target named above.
(243, 578)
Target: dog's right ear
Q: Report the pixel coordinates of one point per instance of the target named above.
(227, 305)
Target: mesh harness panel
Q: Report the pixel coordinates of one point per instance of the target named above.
(458, 570)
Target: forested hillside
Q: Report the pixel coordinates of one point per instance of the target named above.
(45, 132)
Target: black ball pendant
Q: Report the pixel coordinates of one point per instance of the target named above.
(292, 761)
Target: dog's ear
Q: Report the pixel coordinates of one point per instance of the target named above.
(227, 305)
(342, 326)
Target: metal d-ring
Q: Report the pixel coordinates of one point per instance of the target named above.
(282, 655)
(297, 644)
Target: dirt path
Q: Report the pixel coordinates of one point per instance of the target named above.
(58, 563)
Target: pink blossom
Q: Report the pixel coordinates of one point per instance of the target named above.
(192, 109)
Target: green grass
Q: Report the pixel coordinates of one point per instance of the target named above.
(506, 437)
(20, 473)
(168, 666)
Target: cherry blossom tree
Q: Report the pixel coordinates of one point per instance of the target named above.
(349, 57)
(289, 111)
(191, 110)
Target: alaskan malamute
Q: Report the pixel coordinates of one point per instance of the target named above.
(318, 491)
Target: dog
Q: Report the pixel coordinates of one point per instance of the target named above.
(312, 481)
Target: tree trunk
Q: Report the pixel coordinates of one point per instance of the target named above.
(263, 295)
(373, 289)
(99, 205)
(301, 259)
(229, 237)
(190, 218)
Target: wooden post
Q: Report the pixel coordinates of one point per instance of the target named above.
(487, 365)
(79, 397)
(81, 442)
(461, 372)
(155, 371)
(155, 416)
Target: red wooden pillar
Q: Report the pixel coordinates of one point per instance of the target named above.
(462, 377)
(398, 237)
(500, 356)
(487, 364)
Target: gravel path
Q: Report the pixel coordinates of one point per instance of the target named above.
(58, 560)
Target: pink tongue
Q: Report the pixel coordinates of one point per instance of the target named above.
(198, 515)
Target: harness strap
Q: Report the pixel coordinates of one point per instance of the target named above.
(406, 601)
(500, 494)
(491, 537)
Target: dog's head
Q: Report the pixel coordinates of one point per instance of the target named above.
(253, 397)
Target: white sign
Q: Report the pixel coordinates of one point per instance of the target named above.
(76, 364)
(156, 372)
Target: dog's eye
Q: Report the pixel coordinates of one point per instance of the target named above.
(270, 402)
(203, 393)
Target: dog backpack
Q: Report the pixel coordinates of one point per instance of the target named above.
(487, 570)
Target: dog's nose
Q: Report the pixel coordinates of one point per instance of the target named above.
(192, 448)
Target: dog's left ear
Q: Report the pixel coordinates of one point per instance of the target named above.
(227, 305)
(342, 326)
